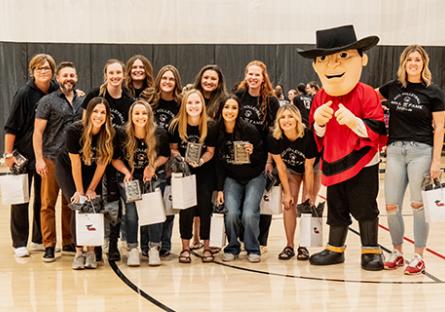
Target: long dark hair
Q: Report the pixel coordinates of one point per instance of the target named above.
(217, 96)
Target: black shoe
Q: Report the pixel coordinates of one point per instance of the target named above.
(113, 253)
(99, 257)
(164, 253)
(49, 256)
(69, 249)
(327, 257)
(372, 261)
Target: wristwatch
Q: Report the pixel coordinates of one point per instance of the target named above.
(8, 155)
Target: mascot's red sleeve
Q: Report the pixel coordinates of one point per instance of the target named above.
(344, 153)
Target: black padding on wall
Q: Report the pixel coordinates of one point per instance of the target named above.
(284, 64)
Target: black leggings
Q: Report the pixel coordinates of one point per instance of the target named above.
(204, 189)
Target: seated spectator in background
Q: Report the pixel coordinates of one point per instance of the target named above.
(279, 94)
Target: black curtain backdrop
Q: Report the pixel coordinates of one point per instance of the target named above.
(284, 64)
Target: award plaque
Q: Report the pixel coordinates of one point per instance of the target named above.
(240, 154)
(132, 191)
(193, 152)
(20, 163)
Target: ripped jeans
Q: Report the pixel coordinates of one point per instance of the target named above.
(407, 163)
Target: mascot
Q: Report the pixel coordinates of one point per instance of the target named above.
(347, 119)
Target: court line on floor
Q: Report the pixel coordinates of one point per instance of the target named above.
(139, 291)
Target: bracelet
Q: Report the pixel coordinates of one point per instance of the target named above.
(8, 155)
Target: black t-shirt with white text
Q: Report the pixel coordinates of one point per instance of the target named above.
(410, 110)
(165, 112)
(119, 107)
(294, 153)
(193, 137)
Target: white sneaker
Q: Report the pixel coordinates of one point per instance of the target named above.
(153, 256)
(133, 259)
(227, 257)
(21, 252)
(78, 262)
(253, 257)
(37, 247)
(90, 260)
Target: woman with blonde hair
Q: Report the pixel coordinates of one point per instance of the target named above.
(139, 75)
(81, 165)
(259, 107)
(416, 130)
(193, 126)
(143, 147)
(293, 150)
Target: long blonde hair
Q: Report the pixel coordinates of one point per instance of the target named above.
(277, 132)
(149, 139)
(104, 149)
(425, 74)
(180, 121)
(103, 86)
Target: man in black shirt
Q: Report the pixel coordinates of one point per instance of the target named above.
(18, 136)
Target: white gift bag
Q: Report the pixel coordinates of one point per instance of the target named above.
(151, 208)
(311, 231)
(89, 229)
(168, 201)
(217, 231)
(271, 202)
(434, 203)
(183, 191)
(14, 189)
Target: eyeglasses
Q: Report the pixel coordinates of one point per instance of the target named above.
(42, 69)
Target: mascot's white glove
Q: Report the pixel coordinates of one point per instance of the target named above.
(323, 114)
(346, 117)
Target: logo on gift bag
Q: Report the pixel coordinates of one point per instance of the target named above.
(439, 203)
(316, 230)
(266, 198)
(90, 227)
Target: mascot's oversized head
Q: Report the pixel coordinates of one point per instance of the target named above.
(339, 58)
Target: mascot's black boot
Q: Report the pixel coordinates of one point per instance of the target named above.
(334, 252)
(372, 257)
(113, 250)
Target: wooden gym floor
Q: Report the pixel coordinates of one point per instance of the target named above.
(29, 284)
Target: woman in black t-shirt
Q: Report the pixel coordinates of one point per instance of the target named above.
(79, 168)
(165, 96)
(112, 89)
(210, 81)
(259, 107)
(416, 130)
(193, 126)
(143, 148)
(139, 75)
(293, 150)
(240, 186)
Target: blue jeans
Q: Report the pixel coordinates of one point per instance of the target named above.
(406, 163)
(242, 202)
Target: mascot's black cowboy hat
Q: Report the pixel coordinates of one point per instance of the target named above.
(333, 40)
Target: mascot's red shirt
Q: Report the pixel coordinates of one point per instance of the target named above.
(344, 153)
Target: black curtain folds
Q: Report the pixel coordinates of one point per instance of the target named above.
(284, 64)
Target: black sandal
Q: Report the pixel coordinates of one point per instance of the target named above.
(287, 253)
(302, 254)
(184, 256)
(207, 256)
